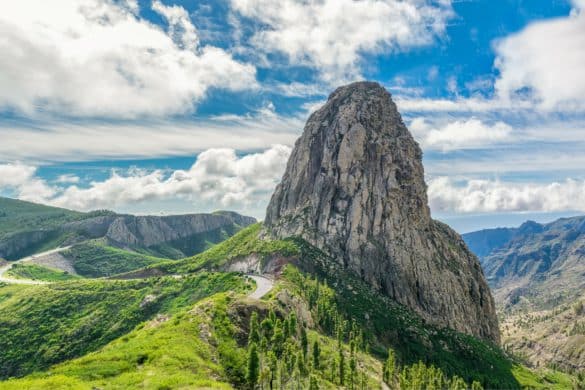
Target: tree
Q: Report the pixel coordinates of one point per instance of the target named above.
(304, 340)
(341, 367)
(314, 383)
(253, 366)
(476, 386)
(316, 353)
(389, 367)
(254, 335)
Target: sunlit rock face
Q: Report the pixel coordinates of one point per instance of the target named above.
(354, 187)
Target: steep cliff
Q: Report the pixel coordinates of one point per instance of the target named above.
(354, 187)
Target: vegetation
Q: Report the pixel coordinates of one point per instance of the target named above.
(43, 325)
(38, 272)
(94, 259)
(243, 243)
(17, 216)
(317, 329)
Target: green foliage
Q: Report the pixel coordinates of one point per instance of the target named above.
(165, 353)
(35, 226)
(253, 372)
(46, 324)
(243, 243)
(385, 324)
(37, 272)
(19, 216)
(316, 355)
(94, 259)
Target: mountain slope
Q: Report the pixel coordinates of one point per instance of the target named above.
(44, 325)
(27, 228)
(354, 187)
(544, 264)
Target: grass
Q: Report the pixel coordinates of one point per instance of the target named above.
(243, 243)
(94, 259)
(38, 272)
(44, 325)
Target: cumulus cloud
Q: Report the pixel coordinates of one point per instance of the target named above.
(332, 35)
(219, 178)
(98, 58)
(459, 134)
(546, 60)
(22, 180)
(447, 194)
(541, 68)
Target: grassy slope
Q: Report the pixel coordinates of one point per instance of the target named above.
(43, 325)
(94, 259)
(206, 346)
(17, 216)
(38, 272)
(387, 324)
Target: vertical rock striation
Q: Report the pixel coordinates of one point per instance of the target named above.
(354, 187)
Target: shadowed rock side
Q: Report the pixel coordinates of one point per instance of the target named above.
(354, 187)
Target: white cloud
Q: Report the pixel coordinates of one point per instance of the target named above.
(547, 59)
(540, 69)
(219, 178)
(446, 194)
(68, 178)
(60, 141)
(460, 134)
(97, 58)
(21, 178)
(332, 35)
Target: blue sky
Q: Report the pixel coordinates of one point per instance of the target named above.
(192, 106)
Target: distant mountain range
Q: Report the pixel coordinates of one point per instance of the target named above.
(27, 228)
(544, 263)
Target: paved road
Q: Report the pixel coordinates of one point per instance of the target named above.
(263, 286)
(5, 268)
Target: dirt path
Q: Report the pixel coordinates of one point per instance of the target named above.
(263, 286)
(6, 267)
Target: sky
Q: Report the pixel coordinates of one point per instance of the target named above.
(167, 107)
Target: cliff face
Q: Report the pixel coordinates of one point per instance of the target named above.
(151, 230)
(354, 187)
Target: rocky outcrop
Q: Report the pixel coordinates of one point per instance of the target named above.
(147, 231)
(354, 187)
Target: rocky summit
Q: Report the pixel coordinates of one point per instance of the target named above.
(354, 187)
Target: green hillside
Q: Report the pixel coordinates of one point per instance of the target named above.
(18, 216)
(45, 324)
(38, 272)
(95, 259)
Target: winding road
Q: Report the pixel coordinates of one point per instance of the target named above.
(263, 286)
(6, 267)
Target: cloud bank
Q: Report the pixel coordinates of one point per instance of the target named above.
(447, 195)
(218, 179)
(98, 58)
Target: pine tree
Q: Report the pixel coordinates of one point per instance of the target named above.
(390, 367)
(254, 335)
(316, 353)
(304, 340)
(341, 367)
(314, 383)
(253, 366)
